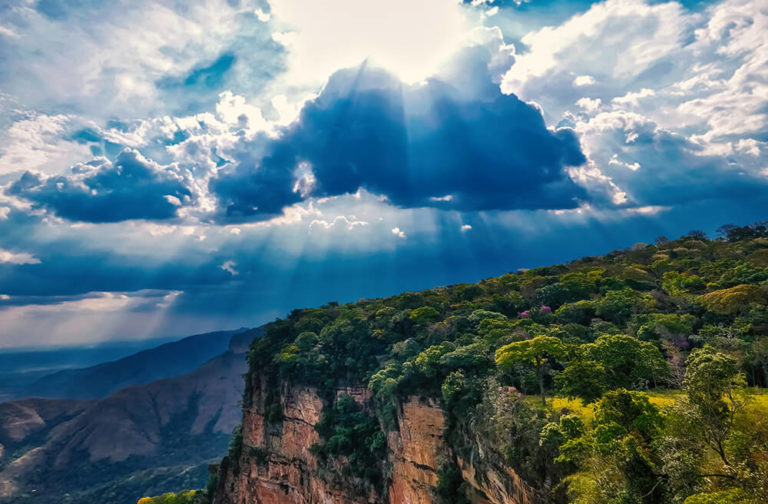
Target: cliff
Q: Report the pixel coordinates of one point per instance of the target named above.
(425, 397)
(275, 462)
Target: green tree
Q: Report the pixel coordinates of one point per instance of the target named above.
(715, 390)
(583, 379)
(616, 457)
(289, 354)
(348, 430)
(628, 362)
(618, 305)
(571, 287)
(424, 315)
(733, 300)
(631, 411)
(732, 496)
(758, 356)
(665, 326)
(185, 497)
(470, 357)
(428, 362)
(580, 312)
(677, 283)
(536, 352)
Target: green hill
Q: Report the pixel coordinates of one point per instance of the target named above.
(626, 378)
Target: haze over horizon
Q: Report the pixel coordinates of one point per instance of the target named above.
(169, 168)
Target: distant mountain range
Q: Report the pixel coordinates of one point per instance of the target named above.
(20, 367)
(141, 440)
(170, 359)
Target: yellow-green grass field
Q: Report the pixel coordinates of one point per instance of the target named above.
(661, 398)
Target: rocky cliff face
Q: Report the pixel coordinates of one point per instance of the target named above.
(275, 464)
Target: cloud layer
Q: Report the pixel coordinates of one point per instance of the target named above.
(131, 187)
(172, 166)
(446, 143)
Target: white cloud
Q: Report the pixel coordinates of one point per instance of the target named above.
(616, 162)
(590, 105)
(234, 110)
(106, 60)
(262, 16)
(7, 256)
(735, 89)
(229, 267)
(647, 210)
(397, 232)
(34, 142)
(650, 165)
(349, 223)
(409, 38)
(632, 99)
(584, 80)
(304, 179)
(667, 72)
(7, 32)
(616, 39)
(173, 200)
(122, 315)
(748, 146)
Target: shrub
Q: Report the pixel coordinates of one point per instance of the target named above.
(734, 300)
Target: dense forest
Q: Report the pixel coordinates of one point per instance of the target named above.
(635, 377)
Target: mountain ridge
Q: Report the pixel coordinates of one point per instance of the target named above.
(141, 439)
(163, 361)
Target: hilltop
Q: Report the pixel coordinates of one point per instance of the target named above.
(445, 395)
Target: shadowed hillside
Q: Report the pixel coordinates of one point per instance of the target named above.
(170, 359)
(142, 439)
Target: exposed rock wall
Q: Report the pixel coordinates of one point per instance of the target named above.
(416, 449)
(493, 483)
(275, 463)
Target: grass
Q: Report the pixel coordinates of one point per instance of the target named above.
(577, 406)
(662, 398)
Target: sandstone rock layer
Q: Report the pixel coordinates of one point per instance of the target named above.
(276, 465)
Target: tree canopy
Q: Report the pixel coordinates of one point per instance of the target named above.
(657, 344)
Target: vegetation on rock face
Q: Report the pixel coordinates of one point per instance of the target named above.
(186, 497)
(352, 433)
(656, 347)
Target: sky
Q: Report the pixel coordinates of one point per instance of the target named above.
(170, 167)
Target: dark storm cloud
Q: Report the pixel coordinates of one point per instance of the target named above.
(131, 187)
(66, 270)
(151, 297)
(454, 142)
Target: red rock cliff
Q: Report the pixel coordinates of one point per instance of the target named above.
(275, 463)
